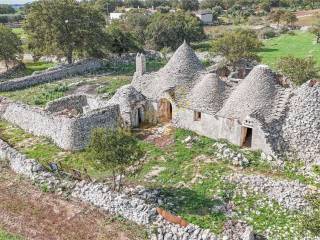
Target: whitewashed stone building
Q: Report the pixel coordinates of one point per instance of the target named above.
(258, 112)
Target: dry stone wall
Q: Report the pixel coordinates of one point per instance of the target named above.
(101, 195)
(71, 133)
(52, 75)
(76, 102)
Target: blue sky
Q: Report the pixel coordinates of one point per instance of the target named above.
(14, 1)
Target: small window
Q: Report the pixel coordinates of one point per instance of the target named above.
(197, 116)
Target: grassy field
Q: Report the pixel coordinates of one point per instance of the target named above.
(6, 236)
(194, 198)
(107, 85)
(301, 44)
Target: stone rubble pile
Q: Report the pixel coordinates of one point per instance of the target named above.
(226, 153)
(103, 197)
(168, 231)
(238, 230)
(290, 194)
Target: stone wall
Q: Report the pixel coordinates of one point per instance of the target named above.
(76, 102)
(71, 133)
(52, 75)
(129, 203)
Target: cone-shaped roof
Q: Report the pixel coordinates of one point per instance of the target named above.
(255, 94)
(184, 61)
(208, 94)
(182, 71)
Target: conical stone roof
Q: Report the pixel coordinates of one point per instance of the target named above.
(301, 128)
(184, 62)
(208, 94)
(256, 93)
(182, 71)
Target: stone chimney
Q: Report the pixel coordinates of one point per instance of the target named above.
(141, 66)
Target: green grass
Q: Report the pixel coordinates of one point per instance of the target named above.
(302, 44)
(30, 68)
(7, 236)
(198, 200)
(40, 95)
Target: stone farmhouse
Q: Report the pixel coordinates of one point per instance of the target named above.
(256, 112)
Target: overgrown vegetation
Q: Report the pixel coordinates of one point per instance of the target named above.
(237, 44)
(192, 180)
(114, 150)
(10, 45)
(311, 221)
(298, 70)
(7, 236)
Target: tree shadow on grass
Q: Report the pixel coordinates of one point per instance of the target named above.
(265, 50)
(184, 201)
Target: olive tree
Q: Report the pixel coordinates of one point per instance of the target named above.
(171, 29)
(10, 45)
(63, 28)
(114, 150)
(237, 44)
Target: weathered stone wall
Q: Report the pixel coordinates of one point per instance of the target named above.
(301, 127)
(107, 117)
(130, 203)
(52, 75)
(69, 102)
(67, 133)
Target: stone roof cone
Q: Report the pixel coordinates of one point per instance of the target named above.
(208, 94)
(256, 93)
(183, 61)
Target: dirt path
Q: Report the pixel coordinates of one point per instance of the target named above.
(33, 214)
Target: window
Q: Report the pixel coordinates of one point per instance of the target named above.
(197, 116)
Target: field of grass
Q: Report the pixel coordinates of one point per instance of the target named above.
(107, 85)
(6, 236)
(300, 44)
(195, 200)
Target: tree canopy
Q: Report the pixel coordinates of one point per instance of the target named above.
(6, 9)
(63, 28)
(237, 44)
(120, 41)
(10, 45)
(114, 150)
(171, 29)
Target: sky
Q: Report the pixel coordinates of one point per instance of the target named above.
(14, 1)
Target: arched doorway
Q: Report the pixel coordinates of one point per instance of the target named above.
(165, 110)
(137, 117)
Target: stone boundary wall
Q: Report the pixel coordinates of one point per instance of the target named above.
(100, 195)
(68, 133)
(69, 102)
(52, 75)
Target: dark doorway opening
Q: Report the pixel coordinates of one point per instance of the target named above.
(140, 116)
(165, 110)
(246, 137)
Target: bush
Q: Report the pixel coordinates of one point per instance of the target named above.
(267, 33)
(298, 70)
(114, 150)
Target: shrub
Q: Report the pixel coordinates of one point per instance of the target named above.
(267, 33)
(298, 70)
(114, 150)
(238, 44)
